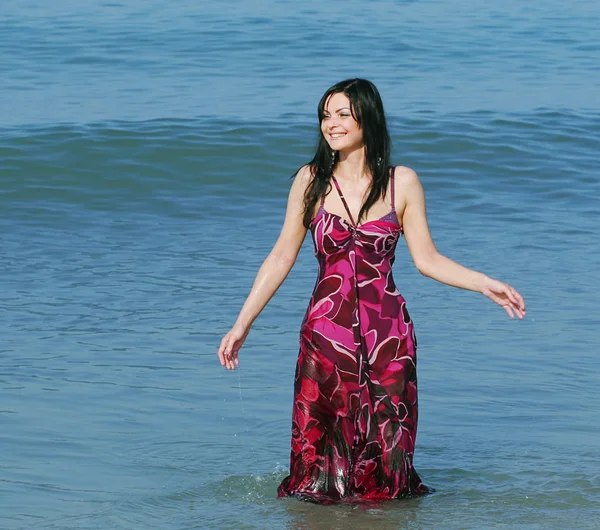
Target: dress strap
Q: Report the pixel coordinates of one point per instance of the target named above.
(392, 187)
(343, 200)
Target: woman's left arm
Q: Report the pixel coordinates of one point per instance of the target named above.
(434, 265)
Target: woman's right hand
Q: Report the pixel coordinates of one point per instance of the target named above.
(230, 346)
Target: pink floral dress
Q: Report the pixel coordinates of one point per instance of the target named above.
(354, 418)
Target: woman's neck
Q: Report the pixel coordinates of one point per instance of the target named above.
(351, 166)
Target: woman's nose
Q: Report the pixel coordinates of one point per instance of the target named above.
(332, 122)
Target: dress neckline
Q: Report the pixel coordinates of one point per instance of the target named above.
(382, 219)
(351, 222)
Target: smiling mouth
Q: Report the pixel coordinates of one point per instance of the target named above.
(337, 135)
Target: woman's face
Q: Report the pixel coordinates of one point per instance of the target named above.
(338, 126)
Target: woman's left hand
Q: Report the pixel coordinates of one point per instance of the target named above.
(506, 296)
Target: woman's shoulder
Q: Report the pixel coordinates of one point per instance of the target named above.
(405, 175)
(301, 180)
(408, 185)
(303, 177)
(305, 173)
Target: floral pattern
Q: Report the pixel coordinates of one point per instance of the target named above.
(354, 418)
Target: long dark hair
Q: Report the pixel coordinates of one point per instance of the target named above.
(367, 109)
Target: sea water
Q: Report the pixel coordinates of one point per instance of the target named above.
(145, 159)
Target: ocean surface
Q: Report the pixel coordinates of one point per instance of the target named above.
(145, 156)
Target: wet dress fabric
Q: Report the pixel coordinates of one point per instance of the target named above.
(354, 418)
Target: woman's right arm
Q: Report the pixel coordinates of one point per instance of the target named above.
(271, 274)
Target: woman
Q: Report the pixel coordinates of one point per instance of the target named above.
(354, 417)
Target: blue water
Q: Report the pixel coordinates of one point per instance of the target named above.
(145, 155)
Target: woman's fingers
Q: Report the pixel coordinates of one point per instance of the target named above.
(231, 356)
(228, 352)
(516, 297)
(507, 297)
(222, 349)
(521, 301)
(229, 348)
(517, 301)
(509, 310)
(224, 352)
